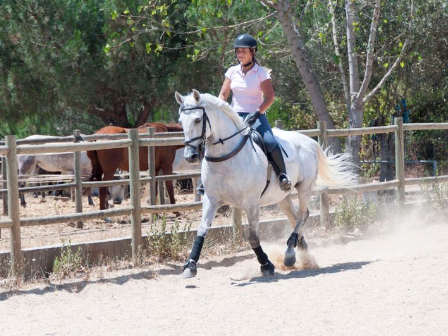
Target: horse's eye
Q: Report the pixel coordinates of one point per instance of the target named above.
(197, 120)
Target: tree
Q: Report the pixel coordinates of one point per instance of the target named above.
(358, 90)
(99, 60)
(285, 14)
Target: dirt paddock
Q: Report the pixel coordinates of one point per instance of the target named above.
(391, 281)
(98, 229)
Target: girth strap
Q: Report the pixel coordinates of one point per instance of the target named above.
(231, 154)
(268, 178)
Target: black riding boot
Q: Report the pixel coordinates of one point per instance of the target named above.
(278, 163)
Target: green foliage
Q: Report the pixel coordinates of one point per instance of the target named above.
(429, 145)
(354, 214)
(168, 245)
(436, 195)
(293, 116)
(76, 64)
(68, 262)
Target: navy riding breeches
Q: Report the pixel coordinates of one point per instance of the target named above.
(263, 127)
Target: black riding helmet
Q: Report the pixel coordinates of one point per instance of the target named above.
(245, 41)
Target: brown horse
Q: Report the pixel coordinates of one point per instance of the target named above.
(106, 161)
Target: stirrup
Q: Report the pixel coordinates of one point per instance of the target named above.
(200, 190)
(285, 182)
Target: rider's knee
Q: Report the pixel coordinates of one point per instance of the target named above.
(270, 145)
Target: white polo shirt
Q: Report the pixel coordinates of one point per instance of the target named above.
(246, 88)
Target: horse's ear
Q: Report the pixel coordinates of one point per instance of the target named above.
(179, 98)
(196, 96)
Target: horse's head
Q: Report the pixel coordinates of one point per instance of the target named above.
(194, 123)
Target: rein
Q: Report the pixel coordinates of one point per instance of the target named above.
(231, 154)
(200, 147)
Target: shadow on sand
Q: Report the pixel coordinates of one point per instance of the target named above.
(297, 274)
(80, 285)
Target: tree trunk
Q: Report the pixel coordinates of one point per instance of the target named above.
(303, 62)
(121, 116)
(354, 142)
(145, 112)
(115, 116)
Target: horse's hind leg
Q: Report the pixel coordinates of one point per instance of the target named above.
(300, 217)
(253, 216)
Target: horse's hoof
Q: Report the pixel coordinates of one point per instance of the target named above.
(290, 258)
(303, 246)
(268, 269)
(190, 269)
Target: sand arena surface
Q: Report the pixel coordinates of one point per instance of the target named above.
(392, 283)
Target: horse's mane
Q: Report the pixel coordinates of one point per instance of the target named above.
(220, 104)
(215, 102)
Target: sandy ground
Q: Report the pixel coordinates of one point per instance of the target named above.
(391, 283)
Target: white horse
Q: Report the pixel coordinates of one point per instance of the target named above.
(234, 172)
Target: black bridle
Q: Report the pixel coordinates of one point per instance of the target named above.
(200, 146)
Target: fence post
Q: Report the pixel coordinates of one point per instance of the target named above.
(399, 161)
(324, 199)
(78, 179)
(279, 124)
(13, 205)
(4, 186)
(152, 168)
(323, 137)
(134, 183)
(237, 220)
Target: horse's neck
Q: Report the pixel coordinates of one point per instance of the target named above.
(222, 127)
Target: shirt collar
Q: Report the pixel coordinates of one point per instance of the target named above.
(254, 68)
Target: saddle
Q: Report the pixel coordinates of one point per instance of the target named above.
(257, 139)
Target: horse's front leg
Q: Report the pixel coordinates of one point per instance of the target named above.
(253, 216)
(296, 237)
(208, 213)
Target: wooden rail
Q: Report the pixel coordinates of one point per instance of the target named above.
(11, 148)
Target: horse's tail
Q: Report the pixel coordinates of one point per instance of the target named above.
(335, 170)
(97, 170)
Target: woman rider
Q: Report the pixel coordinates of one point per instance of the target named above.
(252, 94)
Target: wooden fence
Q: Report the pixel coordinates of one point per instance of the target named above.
(11, 148)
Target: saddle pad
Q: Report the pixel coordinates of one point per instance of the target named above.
(286, 145)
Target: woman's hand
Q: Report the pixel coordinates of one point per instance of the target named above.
(251, 118)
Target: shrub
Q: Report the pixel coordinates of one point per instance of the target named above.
(172, 245)
(354, 214)
(68, 262)
(437, 197)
